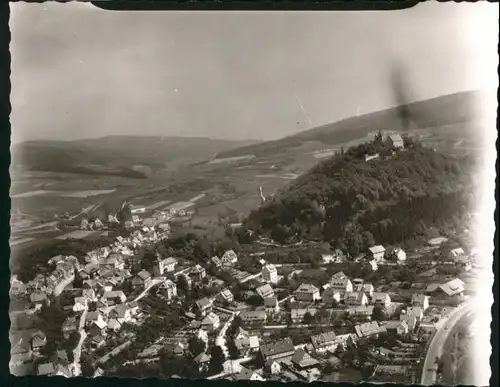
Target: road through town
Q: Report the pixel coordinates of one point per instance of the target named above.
(436, 346)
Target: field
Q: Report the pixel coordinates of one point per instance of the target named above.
(225, 188)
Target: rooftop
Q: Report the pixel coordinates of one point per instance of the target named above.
(285, 345)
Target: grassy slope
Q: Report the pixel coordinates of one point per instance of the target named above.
(442, 111)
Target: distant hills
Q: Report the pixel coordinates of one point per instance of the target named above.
(128, 156)
(453, 110)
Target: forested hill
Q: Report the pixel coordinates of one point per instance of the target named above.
(353, 203)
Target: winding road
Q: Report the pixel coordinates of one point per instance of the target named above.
(437, 343)
(83, 334)
(77, 352)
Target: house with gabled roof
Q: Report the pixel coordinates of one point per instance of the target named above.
(165, 265)
(240, 334)
(247, 345)
(340, 282)
(395, 141)
(302, 360)
(168, 288)
(98, 328)
(451, 288)
(272, 305)
(80, 304)
(247, 374)
(38, 298)
(210, 322)
(421, 300)
(21, 351)
(114, 297)
(38, 340)
(93, 316)
(98, 341)
(251, 317)
(324, 342)
(270, 273)
(331, 296)
(297, 314)
(377, 252)
(229, 258)
(456, 252)
(53, 369)
(69, 326)
(279, 350)
(381, 299)
(369, 329)
(265, 291)
(204, 306)
(197, 273)
(397, 326)
(142, 279)
(355, 298)
(225, 296)
(307, 292)
(121, 313)
(365, 288)
(216, 261)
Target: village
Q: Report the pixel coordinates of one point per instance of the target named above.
(222, 322)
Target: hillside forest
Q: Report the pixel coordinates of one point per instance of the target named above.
(352, 203)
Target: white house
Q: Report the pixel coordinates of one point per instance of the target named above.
(330, 296)
(400, 327)
(355, 298)
(137, 209)
(324, 342)
(373, 265)
(399, 255)
(80, 304)
(377, 252)
(250, 317)
(247, 344)
(416, 311)
(229, 258)
(458, 252)
(395, 141)
(166, 265)
(381, 299)
(269, 273)
(168, 289)
(365, 288)
(271, 304)
(340, 282)
(204, 306)
(420, 300)
(307, 292)
(121, 313)
(210, 322)
(273, 367)
(225, 296)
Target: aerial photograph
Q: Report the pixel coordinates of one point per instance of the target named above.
(253, 196)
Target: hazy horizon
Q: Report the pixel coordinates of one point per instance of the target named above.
(230, 75)
(219, 138)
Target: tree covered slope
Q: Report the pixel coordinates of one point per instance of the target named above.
(353, 203)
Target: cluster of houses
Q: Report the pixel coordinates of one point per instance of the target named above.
(100, 306)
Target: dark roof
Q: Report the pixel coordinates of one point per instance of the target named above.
(285, 345)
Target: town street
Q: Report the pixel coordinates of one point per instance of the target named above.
(221, 337)
(436, 346)
(78, 350)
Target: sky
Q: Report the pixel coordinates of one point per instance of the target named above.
(82, 72)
